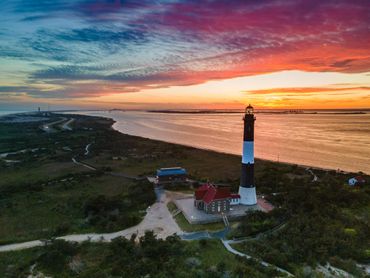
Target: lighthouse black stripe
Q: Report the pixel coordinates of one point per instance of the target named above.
(247, 178)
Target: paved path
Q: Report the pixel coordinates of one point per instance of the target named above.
(205, 234)
(87, 149)
(66, 125)
(157, 219)
(83, 164)
(48, 127)
(123, 175)
(236, 252)
(258, 236)
(115, 174)
(330, 271)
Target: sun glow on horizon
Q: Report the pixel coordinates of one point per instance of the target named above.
(185, 54)
(285, 89)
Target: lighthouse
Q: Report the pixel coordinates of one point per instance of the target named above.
(247, 190)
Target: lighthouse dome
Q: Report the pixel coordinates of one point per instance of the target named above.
(249, 109)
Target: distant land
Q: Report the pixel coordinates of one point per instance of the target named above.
(216, 111)
(204, 111)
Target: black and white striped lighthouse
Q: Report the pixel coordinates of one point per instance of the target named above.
(247, 190)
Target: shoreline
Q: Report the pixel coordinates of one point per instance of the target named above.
(342, 171)
(221, 152)
(302, 165)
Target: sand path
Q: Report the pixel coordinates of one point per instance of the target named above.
(158, 219)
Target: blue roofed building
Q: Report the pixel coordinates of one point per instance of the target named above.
(173, 174)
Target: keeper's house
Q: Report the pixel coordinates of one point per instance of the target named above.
(213, 199)
(168, 175)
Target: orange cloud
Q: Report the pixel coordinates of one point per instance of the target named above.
(304, 90)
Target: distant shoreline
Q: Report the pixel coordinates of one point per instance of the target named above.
(363, 111)
(299, 112)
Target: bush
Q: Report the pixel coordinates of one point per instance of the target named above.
(57, 254)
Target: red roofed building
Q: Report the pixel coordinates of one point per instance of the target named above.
(214, 199)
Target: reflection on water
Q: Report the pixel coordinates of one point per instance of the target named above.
(321, 140)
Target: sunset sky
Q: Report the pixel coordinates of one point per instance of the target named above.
(184, 54)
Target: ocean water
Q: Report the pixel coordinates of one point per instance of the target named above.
(333, 141)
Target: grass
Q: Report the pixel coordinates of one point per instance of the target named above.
(45, 194)
(187, 227)
(212, 252)
(32, 215)
(14, 263)
(171, 207)
(41, 172)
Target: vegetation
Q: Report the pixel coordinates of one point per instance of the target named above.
(323, 225)
(257, 223)
(144, 257)
(44, 194)
(47, 195)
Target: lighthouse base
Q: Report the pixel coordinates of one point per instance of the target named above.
(247, 196)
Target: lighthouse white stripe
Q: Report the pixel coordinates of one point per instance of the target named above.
(247, 196)
(248, 152)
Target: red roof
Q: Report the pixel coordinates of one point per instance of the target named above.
(211, 193)
(201, 191)
(208, 193)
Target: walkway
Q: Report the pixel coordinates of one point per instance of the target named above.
(236, 252)
(48, 127)
(260, 235)
(87, 149)
(157, 219)
(205, 235)
(126, 176)
(83, 164)
(66, 125)
(115, 174)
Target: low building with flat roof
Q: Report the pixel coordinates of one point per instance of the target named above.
(173, 174)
